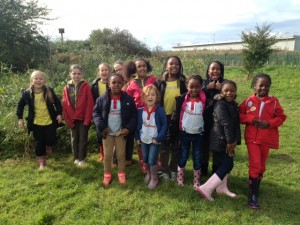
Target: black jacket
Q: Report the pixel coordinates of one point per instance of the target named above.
(226, 125)
(27, 98)
(102, 108)
(95, 89)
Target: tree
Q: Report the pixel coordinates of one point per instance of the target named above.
(22, 43)
(258, 48)
(121, 41)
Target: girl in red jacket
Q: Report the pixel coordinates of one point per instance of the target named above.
(78, 106)
(262, 114)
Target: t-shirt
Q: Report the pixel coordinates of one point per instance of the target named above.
(114, 117)
(41, 113)
(101, 88)
(149, 128)
(172, 91)
(192, 119)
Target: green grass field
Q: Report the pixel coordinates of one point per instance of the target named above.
(65, 194)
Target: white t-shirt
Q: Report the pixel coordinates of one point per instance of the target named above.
(192, 119)
(149, 128)
(114, 117)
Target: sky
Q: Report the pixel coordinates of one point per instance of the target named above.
(168, 23)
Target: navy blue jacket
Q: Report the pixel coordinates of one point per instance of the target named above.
(102, 108)
(160, 120)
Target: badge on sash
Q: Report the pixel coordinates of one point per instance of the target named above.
(253, 108)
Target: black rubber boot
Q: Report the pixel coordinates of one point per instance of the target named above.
(253, 193)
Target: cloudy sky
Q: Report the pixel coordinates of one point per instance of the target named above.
(168, 23)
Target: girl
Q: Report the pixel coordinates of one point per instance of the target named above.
(118, 67)
(134, 89)
(211, 87)
(171, 85)
(262, 114)
(187, 119)
(78, 105)
(151, 131)
(225, 135)
(99, 87)
(115, 118)
(44, 114)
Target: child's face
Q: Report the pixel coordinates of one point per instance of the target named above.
(194, 88)
(150, 99)
(103, 72)
(116, 84)
(173, 66)
(228, 91)
(141, 68)
(262, 87)
(118, 68)
(214, 71)
(38, 81)
(76, 75)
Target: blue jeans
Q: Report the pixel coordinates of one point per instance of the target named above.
(150, 153)
(186, 140)
(226, 164)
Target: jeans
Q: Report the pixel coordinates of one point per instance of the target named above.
(226, 164)
(150, 153)
(186, 140)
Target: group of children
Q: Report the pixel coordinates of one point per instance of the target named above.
(168, 117)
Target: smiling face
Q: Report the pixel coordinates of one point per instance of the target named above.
(228, 91)
(104, 72)
(194, 87)
(118, 68)
(151, 98)
(141, 69)
(116, 84)
(214, 71)
(38, 81)
(173, 66)
(262, 87)
(76, 75)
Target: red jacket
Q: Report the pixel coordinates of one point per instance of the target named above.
(84, 106)
(268, 109)
(135, 87)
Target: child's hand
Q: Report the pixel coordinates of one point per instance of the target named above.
(218, 85)
(138, 142)
(230, 152)
(21, 123)
(255, 121)
(124, 132)
(263, 124)
(59, 119)
(211, 85)
(155, 142)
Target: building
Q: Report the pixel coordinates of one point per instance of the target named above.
(291, 43)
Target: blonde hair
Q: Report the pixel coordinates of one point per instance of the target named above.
(147, 89)
(46, 89)
(75, 66)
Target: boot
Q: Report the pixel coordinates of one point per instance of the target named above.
(196, 179)
(154, 178)
(142, 164)
(260, 177)
(48, 150)
(42, 162)
(253, 193)
(147, 177)
(211, 184)
(180, 176)
(223, 188)
(101, 158)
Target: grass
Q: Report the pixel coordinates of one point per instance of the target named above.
(65, 194)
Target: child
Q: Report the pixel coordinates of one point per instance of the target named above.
(225, 135)
(115, 118)
(118, 67)
(211, 87)
(44, 114)
(135, 87)
(99, 87)
(151, 131)
(171, 85)
(188, 121)
(262, 114)
(78, 105)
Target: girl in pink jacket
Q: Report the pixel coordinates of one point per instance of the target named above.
(262, 114)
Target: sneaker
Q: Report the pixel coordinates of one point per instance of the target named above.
(122, 177)
(163, 175)
(173, 176)
(81, 163)
(76, 161)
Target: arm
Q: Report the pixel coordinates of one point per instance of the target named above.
(246, 118)
(58, 106)
(66, 103)
(89, 107)
(279, 116)
(164, 125)
(20, 109)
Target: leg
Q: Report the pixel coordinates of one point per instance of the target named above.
(175, 155)
(205, 154)
(185, 145)
(153, 152)
(51, 138)
(75, 141)
(129, 149)
(196, 151)
(83, 140)
(145, 150)
(39, 135)
(120, 143)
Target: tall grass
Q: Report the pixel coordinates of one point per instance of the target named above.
(65, 194)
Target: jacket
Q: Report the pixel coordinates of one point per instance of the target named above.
(102, 109)
(95, 89)
(225, 127)
(135, 89)
(84, 105)
(160, 120)
(27, 98)
(271, 111)
(177, 114)
(162, 84)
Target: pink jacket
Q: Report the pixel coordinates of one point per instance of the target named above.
(135, 90)
(268, 109)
